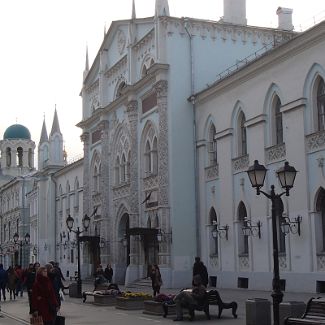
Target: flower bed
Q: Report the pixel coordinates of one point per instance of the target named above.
(155, 307)
(132, 300)
(106, 297)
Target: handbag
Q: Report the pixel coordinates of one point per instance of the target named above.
(59, 320)
(36, 320)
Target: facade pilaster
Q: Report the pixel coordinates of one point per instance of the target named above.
(132, 111)
(106, 222)
(86, 180)
(161, 88)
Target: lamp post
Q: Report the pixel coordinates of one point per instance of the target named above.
(21, 243)
(85, 224)
(286, 175)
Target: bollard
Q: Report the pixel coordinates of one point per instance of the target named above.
(258, 311)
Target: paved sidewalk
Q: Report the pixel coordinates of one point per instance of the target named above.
(78, 313)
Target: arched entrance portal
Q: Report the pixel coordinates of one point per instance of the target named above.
(123, 248)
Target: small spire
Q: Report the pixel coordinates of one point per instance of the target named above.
(44, 136)
(161, 8)
(55, 125)
(87, 61)
(133, 11)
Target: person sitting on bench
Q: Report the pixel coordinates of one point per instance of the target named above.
(190, 299)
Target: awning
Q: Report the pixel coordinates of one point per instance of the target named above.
(141, 231)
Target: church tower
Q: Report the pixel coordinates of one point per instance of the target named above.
(43, 148)
(17, 151)
(50, 148)
(56, 143)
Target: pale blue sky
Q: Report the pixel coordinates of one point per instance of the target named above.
(43, 44)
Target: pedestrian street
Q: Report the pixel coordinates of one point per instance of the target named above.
(78, 313)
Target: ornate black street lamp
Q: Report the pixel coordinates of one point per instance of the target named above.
(286, 175)
(21, 243)
(85, 224)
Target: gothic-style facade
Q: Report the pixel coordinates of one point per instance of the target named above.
(138, 130)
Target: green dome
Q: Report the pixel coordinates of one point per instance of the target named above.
(16, 131)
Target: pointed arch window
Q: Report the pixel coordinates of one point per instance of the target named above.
(8, 157)
(320, 222)
(154, 156)
(128, 164)
(123, 169)
(76, 193)
(68, 195)
(212, 146)
(95, 180)
(242, 139)
(117, 170)
(321, 105)
(214, 240)
(243, 239)
(147, 158)
(20, 157)
(278, 121)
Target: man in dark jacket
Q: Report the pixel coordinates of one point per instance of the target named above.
(3, 282)
(200, 269)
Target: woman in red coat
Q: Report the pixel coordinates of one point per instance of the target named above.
(44, 301)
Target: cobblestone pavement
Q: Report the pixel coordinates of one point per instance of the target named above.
(78, 313)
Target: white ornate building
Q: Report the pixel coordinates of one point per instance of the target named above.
(138, 131)
(271, 109)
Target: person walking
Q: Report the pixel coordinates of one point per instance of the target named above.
(12, 282)
(200, 269)
(19, 286)
(3, 282)
(108, 273)
(156, 280)
(30, 276)
(44, 301)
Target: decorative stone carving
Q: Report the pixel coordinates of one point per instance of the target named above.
(161, 88)
(214, 261)
(150, 182)
(315, 141)
(283, 262)
(211, 173)
(132, 111)
(320, 262)
(275, 153)
(243, 263)
(121, 191)
(240, 163)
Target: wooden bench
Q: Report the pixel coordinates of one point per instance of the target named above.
(213, 298)
(314, 314)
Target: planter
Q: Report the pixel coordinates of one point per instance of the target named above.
(152, 307)
(104, 300)
(134, 303)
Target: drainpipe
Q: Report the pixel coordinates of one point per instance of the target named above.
(196, 174)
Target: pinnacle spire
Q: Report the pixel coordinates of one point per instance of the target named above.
(55, 125)
(44, 136)
(87, 61)
(133, 11)
(161, 8)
